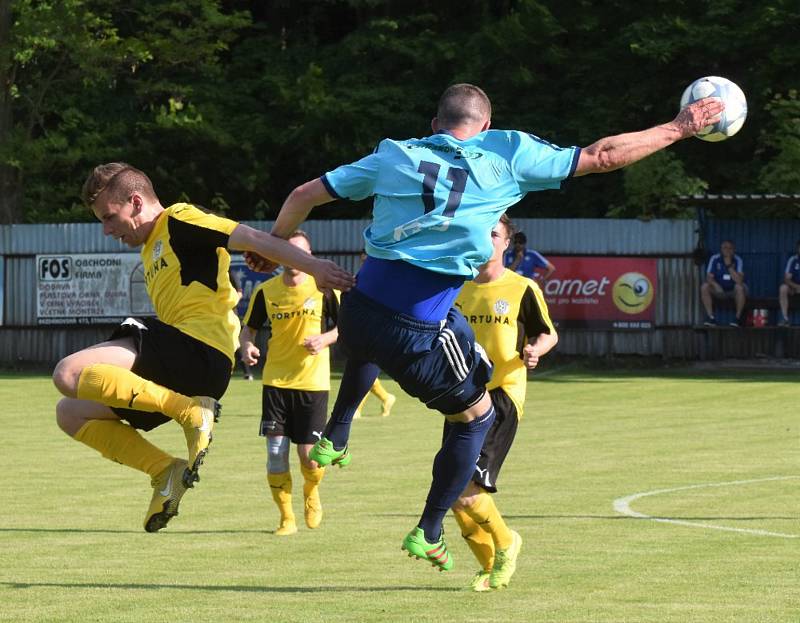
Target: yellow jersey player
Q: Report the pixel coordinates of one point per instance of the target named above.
(177, 365)
(297, 379)
(509, 316)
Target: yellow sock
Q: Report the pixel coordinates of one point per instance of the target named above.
(484, 512)
(280, 484)
(479, 541)
(122, 443)
(379, 391)
(363, 402)
(117, 387)
(312, 478)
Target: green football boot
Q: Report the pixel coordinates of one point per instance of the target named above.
(324, 454)
(435, 553)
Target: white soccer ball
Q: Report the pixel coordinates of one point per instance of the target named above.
(735, 106)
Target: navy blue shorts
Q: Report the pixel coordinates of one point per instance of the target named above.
(438, 362)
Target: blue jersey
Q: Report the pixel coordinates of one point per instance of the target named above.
(531, 260)
(716, 266)
(438, 198)
(793, 268)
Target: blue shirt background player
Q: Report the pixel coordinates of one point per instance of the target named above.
(718, 266)
(724, 280)
(527, 262)
(790, 286)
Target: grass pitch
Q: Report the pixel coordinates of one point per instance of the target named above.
(709, 450)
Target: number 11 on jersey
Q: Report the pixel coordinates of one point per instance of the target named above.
(456, 175)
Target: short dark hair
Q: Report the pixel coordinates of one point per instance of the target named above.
(461, 104)
(520, 238)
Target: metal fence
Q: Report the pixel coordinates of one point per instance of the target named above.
(672, 242)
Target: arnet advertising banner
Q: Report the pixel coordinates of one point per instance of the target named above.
(602, 292)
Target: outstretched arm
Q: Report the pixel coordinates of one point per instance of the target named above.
(326, 273)
(615, 152)
(298, 205)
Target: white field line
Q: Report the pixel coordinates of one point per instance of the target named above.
(622, 506)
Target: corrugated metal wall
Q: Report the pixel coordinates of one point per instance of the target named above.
(609, 236)
(671, 241)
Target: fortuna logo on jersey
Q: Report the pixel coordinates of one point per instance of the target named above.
(157, 265)
(309, 303)
(501, 308)
(306, 311)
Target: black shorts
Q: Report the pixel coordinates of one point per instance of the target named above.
(497, 443)
(298, 414)
(174, 360)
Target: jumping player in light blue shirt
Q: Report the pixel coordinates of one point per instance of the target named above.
(436, 200)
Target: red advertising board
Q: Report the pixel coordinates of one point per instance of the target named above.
(602, 292)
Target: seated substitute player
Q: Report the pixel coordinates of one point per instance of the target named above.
(297, 379)
(436, 199)
(509, 316)
(150, 369)
(790, 285)
(527, 262)
(724, 280)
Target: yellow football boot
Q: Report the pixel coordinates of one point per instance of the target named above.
(199, 435)
(505, 563)
(168, 489)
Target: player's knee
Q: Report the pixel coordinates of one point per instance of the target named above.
(784, 289)
(463, 503)
(277, 454)
(65, 418)
(305, 461)
(65, 378)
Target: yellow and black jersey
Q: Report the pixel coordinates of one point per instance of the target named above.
(186, 266)
(504, 314)
(292, 314)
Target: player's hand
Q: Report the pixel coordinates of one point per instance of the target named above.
(530, 357)
(314, 344)
(698, 115)
(250, 354)
(329, 275)
(259, 263)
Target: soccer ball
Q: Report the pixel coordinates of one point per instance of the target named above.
(735, 106)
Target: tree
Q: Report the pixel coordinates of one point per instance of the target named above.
(82, 80)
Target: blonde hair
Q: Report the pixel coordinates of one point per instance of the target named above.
(119, 180)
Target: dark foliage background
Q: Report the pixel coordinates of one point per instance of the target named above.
(232, 103)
